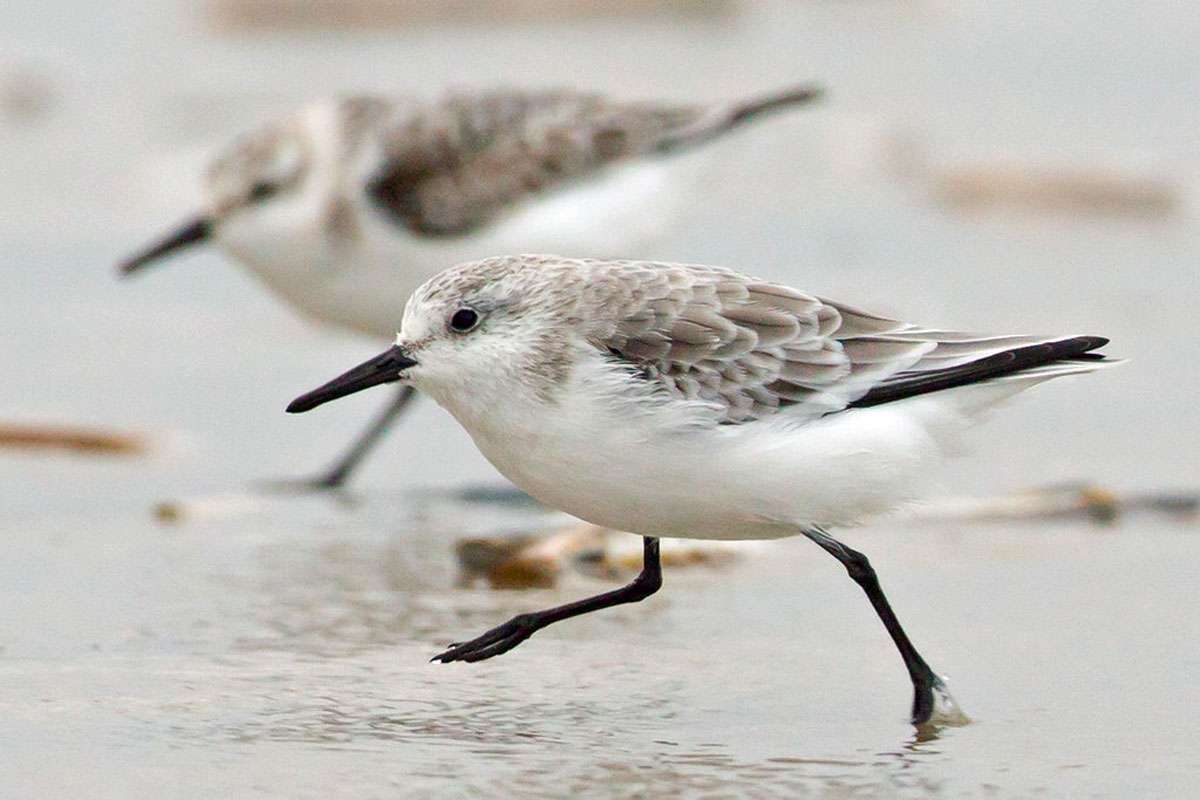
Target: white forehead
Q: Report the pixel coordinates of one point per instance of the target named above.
(417, 322)
(479, 284)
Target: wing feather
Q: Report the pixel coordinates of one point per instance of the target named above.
(752, 349)
(454, 165)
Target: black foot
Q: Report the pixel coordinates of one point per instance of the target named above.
(498, 640)
(331, 482)
(933, 705)
(923, 702)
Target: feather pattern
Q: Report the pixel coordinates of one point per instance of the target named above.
(456, 164)
(751, 349)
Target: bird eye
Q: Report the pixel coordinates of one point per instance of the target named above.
(464, 320)
(262, 190)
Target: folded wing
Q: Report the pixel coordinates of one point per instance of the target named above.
(752, 348)
(457, 164)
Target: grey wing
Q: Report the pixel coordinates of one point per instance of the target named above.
(751, 348)
(456, 165)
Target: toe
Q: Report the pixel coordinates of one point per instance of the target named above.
(498, 640)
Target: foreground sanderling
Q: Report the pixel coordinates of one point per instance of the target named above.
(347, 206)
(696, 402)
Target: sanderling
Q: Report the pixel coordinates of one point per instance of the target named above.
(346, 207)
(696, 402)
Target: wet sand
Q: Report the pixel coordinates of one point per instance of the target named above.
(263, 656)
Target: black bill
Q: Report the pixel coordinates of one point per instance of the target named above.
(387, 367)
(192, 232)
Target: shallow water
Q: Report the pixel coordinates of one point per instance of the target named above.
(278, 646)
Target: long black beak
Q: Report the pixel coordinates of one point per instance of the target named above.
(191, 232)
(386, 367)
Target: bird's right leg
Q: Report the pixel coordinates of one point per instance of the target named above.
(931, 700)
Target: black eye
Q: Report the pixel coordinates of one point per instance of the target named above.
(262, 190)
(464, 320)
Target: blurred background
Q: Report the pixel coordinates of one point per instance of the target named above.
(996, 167)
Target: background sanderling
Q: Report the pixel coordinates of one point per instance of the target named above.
(346, 206)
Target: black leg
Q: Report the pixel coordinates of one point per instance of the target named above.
(336, 475)
(924, 681)
(505, 637)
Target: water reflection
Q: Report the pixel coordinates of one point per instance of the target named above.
(380, 576)
(552, 748)
(335, 632)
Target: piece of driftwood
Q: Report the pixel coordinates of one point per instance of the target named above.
(538, 560)
(526, 560)
(1089, 191)
(92, 441)
(208, 508)
(1062, 500)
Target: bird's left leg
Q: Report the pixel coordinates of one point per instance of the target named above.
(930, 695)
(505, 637)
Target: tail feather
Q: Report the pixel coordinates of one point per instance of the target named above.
(727, 117)
(976, 399)
(1020, 364)
(946, 416)
(795, 95)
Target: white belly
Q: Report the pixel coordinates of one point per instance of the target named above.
(762, 480)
